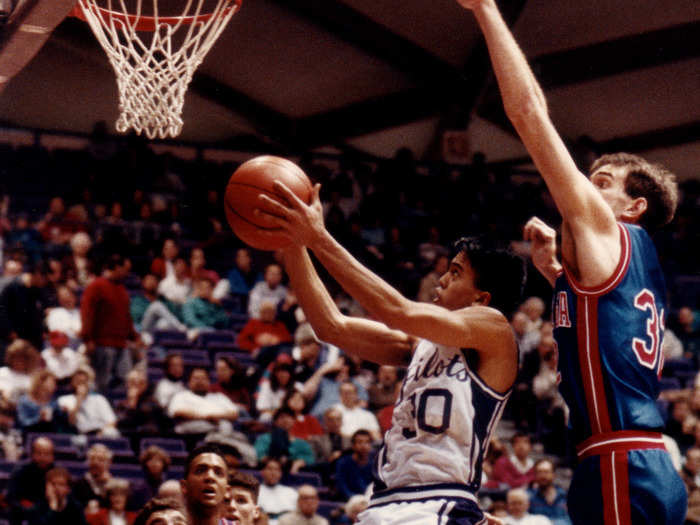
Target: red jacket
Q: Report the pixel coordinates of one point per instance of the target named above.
(254, 327)
(104, 310)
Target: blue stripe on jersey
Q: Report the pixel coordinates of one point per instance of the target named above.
(609, 343)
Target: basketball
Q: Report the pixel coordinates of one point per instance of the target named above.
(255, 177)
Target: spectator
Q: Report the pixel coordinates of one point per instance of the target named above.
(89, 412)
(199, 411)
(353, 472)
(116, 514)
(198, 268)
(689, 332)
(354, 416)
(275, 499)
(263, 331)
(534, 308)
(107, 324)
(176, 287)
(242, 508)
(292, 452)
(518, 503)
(243, 276)
(36, 408)
(93, 485)
(309, 354)
(172, 383)
(428, 284)
(690, 473)
(65, 317)
(383, 392)
(552, 412)
(323, 387)
(305, 425)
(21, 360)
(273, 389)
(58, 507)
(546, 498)
(162, 511)
(155, 462)
(164, 266)
(205, 485)
(201, 312)
(170, 489)
(139, 414)
(60, 358)
(355, 505)
(232, 381)
(23, 302)
(78, 269)
(27, 483)
(330, 445)
(306, 511)
(149, 312)
(678, 422)
(270, 289)
(527, 337)
(515, 470)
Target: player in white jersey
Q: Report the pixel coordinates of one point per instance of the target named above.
(461, 353)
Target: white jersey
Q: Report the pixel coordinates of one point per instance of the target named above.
(441, 427)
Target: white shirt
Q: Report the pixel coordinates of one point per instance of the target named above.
(262, 292)
(213, 404)
(174, 290)
(13, 384)
(62, 364)
(528, 519)
(63, 320)
(95, 413)
(277, 500)
(165, 390)
(355, 419)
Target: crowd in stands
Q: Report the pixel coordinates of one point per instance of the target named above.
(134, 328)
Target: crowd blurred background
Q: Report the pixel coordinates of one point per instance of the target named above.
(134, 325)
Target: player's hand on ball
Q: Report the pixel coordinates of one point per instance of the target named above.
(301, 222)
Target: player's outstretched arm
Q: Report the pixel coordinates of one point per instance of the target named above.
(587, 217)
(477, 327)
(543, 250)
(369, 340)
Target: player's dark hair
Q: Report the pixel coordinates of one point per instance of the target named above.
(245, 481)
(207, 448)
(497, 270)
(156, 505)
(651, 181)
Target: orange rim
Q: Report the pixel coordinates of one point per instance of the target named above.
(148, 23)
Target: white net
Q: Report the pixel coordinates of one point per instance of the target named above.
(155, 55)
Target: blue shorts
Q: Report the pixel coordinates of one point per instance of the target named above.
(448, 511)
(627, 486)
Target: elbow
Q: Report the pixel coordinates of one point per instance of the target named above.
(332, 331)
(525, 108)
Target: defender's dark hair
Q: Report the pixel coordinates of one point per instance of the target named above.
(207, 448)
(245, 481)
(156, 505)
(498, 271)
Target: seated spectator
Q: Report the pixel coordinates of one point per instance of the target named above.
(270, 289)
(517, 504)
(242, 506)
(690, 473)
(177, 287)
(273, 389)
(172, 383)
(58, 507)
(199, 411)
(86, 410)
(232, 381)
(198, 268)
(139, 414)
(323, 388)
(330, 445)
(534, 308)
(678, 423)
(201, 312)
(516, 469)
(65, 317)
(384, 390)
(155, 462)
(60, 359)
(552, 412)
(354, 416)
(149, 312)
(243, 276)
(162, 511)
(305, 425)
(170, 489)
(309, 354)
(688, 331)
(546, 498)
(163, 266)
(353, 472)
(352, 509)
(27, 483)
(22, 360)
(116, 514)
(263, 331)
(526, 335)
(78, 268)
(93, 485)
(306, 511)
(293, 453)
(36, 409)
(275, 498)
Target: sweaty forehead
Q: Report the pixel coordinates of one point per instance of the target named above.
(209, 459)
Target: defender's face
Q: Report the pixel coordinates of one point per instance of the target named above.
(610, 182)
(206, 482)
(457, 289)
(242, 509)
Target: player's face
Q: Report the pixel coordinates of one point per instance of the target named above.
(456, 286)
(610, 183)
(242, 509)
(206, 481)
(167, 517)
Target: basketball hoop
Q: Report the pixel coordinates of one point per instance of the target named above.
(154, 55)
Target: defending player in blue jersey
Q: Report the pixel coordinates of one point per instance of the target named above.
(609, 303)
(461, 355)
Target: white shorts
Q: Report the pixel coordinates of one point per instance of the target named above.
(430, 512)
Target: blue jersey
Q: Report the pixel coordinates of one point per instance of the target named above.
(609, 342)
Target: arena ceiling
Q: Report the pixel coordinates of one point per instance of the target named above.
(374, 75)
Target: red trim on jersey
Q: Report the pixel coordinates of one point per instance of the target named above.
(620, 441)
(617, 275)
(589, 362)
